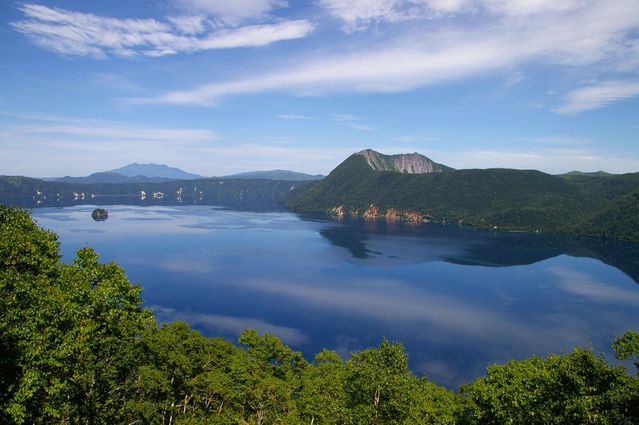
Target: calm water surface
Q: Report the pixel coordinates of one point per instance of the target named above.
(458, 299)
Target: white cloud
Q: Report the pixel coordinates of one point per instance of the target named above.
(358, 126)
(232, 11)
(405, 139)
(188, 24)
(531, 7)
(346, 117)
(85, 34)
(101, 129)
(360, 14)
(40, 145)
(352, 121)
(116, 82)
(442, 54)
(550, 160)
(257, 35)
(598, 96)
(294, 117)
(448, 6)
(562, 140)
(48, 145)
(515, 78)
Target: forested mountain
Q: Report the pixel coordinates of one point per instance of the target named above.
(157, 173)
(132, 173)
(78, 347)
(505, 199)
(276, 175)
(110, 177)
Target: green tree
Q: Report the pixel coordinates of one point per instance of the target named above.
(627, 345)
(165, 387)
(322, 399)
(272, 376)
(380, 385)
(67, 328)
(576, 388)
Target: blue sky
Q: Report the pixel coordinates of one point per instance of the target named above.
(217, 87)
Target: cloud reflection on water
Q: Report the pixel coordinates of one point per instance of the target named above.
(396, 304)
(583, 285)
(229, 324)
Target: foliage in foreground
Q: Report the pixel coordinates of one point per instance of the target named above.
(77, 347)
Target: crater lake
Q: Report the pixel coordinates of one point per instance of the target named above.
(457, 298)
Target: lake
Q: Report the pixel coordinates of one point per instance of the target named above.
(457, 298)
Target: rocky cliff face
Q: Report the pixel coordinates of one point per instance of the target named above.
(412, 163)
(373, 212)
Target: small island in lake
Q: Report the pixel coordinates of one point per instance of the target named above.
(100, 214)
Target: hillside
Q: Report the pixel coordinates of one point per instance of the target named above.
(503, 199)
(619, 220)
(110, 177)
(286, 175)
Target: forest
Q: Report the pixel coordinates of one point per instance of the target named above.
(599, 205)
(245, 194)
(78, 347)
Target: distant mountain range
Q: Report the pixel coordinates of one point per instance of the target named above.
(132, 173)
(583, 173)
(285, 175)
(157, 173)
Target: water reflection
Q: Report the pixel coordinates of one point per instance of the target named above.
(218, 324)
(458, 299)
(467, 246)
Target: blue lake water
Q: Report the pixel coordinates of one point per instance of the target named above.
(458, 299)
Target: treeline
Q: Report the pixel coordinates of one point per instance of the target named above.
(588, 204)
(246, 194)
(78, 348)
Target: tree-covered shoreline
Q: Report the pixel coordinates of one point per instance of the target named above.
(78, 347)
(598, 205)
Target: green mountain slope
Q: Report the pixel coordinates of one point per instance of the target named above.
(110, 177)
(493, 198)
(619, 220)
(276, 175)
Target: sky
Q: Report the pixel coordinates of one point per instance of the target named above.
(217, 87)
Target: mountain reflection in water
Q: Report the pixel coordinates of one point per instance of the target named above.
(471, 247)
